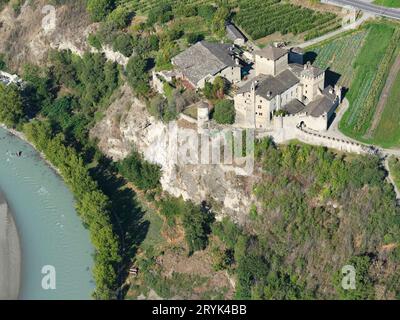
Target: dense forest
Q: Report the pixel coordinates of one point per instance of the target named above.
(319, 211)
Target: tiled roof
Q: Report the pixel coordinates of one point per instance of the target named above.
(271, 53)
(203, 59)
(234, 33)
(269, 86)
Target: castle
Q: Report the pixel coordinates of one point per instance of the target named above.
(285, 93)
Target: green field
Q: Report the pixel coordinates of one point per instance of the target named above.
(363, 67)
(388, 3)
(260, 18)
(387, 133)
(371, 67)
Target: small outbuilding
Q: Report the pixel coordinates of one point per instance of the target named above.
(235, 35)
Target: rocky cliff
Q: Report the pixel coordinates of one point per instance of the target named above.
(127, 124)
(28, 35)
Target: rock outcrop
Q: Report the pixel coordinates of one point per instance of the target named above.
(28, 35)
(127, 124)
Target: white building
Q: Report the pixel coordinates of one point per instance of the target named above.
(285, 94)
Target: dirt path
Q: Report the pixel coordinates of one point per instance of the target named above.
(384, 96)
(332, 34)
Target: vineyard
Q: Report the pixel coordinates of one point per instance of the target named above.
(144, 6)
(370, 71)
(339, 53)
(260, 18)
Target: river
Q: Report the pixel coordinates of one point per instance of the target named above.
(51, 233)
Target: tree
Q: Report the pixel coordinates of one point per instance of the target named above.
(206, 11)
(99, 9)
(11, 108)
(143, 174)
(194, 37)
(136, 72)
(120, 17)
(219, 20)
(196, 222)
(123, 44)
(224, 112)
(94, 41)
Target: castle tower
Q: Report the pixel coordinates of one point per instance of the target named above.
(271, 61)
(313, 82)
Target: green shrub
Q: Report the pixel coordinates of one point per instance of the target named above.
(94, 41)
(224, 112)
(100, 9)
(123, 44)
(197, 224)
(143, 174)
(11, 108)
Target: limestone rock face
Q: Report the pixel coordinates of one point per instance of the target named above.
(28, 36)
(127, 124)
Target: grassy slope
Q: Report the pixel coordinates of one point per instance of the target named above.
(388, 3)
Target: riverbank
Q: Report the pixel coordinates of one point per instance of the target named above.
(21, 135)
(10, 254)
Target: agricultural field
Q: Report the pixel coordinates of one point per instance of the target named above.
(260, 18)
(144, 6)
(387, 133)
(371, 68)
(331, 55)
(363, 67)
(388, 3)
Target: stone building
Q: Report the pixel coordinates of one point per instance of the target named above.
(285, 94)
(204, 61)
(235, 35)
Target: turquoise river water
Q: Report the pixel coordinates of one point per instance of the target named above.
(50, 231)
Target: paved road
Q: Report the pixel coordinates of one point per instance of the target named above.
(368, 7)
